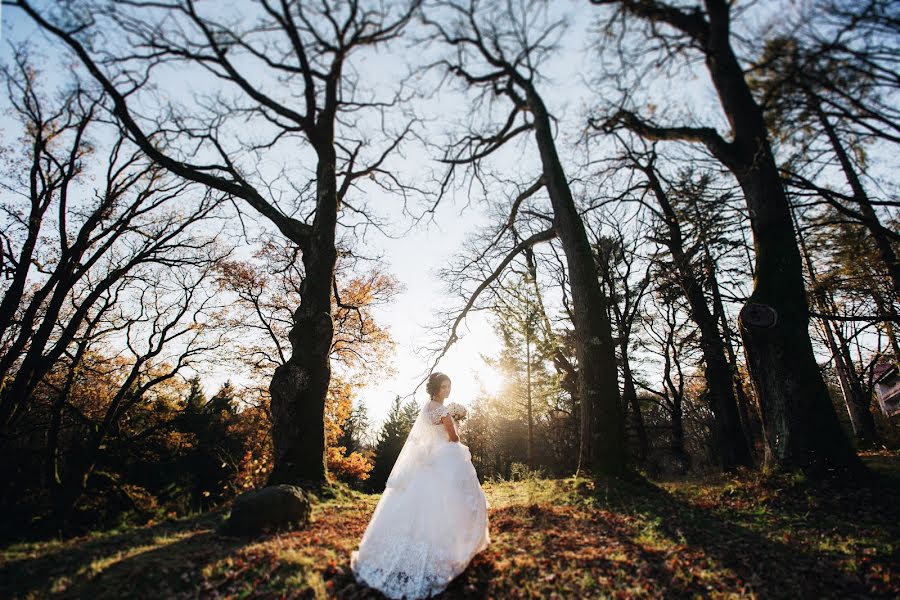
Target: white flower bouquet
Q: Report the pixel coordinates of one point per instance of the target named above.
(457, 411)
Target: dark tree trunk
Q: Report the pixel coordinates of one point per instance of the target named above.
(299, 387)
(801, 427)
(855, 400)
(732, 444)
(603, 429)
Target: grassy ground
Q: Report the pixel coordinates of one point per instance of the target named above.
(717, 538)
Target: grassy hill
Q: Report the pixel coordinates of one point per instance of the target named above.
(715, 537)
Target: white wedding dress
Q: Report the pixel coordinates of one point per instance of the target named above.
(430, 521)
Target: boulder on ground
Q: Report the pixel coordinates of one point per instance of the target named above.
(272, 508)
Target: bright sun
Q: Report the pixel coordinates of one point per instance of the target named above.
(491, 380)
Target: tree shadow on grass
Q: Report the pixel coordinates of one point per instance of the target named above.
(543, 550)
(770, 567)
(95, 567)
(568, 551)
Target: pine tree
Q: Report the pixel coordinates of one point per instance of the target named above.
(354, 434)
(391, 439)
(208, 422)
(196, 399)
(223, 403)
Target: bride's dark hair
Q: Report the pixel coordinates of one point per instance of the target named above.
(434, 383)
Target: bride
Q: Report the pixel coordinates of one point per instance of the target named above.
(432, 518)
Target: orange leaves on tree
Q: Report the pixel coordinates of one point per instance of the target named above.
(338, 406)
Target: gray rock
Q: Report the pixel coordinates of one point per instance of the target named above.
(272, 508)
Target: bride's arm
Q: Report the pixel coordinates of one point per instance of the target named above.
(450, 426)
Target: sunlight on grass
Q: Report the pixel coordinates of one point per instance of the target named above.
(171, 538)
(21, 550)
(534, 491)
(101, 564)
(60, 584)
(297, 571)
(574, 537)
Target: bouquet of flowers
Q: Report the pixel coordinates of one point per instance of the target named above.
(457, 411)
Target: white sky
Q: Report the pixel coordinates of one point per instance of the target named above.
(414, 259)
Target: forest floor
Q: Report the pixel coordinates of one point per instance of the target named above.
(716, 537)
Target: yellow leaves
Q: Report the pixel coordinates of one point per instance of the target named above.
(359, 341)
(256, 463)
(338, 407)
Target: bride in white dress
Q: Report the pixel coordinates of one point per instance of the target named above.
(432, 518)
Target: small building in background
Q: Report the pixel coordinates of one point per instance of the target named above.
(887, 388)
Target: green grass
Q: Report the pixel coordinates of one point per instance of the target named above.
(719, 537)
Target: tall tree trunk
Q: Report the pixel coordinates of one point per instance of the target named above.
(528, 392)
(800, 425)
(603, 427)
(750, 420)
(801, 428)
(732, 444)
(299, 386)
(855, 400)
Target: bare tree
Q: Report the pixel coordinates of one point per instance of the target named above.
(801, 427)
(266, 55)
(116, 264)
(627, 281)
(170, 322)
(497, 49)
(828, 86)
(668, 337)
(805, 85)
(857, 399)
(263, 290)
(732, 444)
(99, 242)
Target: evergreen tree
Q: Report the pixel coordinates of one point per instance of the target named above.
(222, 405)
(205, 465)
(354, 434)
(196, 399)
(391, 439)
